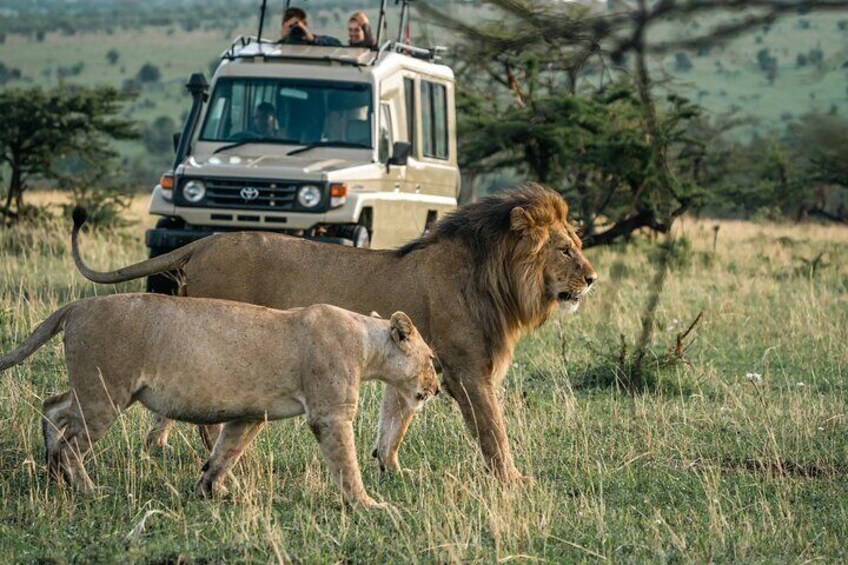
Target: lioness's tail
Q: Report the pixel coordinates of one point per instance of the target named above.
(47, 329)
(169, 262)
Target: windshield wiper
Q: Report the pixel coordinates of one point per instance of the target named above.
(327, 144)
(241, 142)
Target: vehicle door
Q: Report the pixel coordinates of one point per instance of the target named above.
(432, 173)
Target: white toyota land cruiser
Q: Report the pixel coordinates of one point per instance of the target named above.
(344, 144)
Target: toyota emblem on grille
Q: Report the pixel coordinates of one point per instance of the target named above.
(249, 193)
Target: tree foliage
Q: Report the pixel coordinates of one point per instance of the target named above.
(560, 93)
(41, 131)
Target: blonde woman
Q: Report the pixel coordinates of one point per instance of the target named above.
(359, 30)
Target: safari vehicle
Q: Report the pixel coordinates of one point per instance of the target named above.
(359, 148)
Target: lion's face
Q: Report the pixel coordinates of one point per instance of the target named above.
(412, 361)
(568, 274)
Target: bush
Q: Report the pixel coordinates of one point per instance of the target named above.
(8, 73)
(681, 62)
(149, 73)
(158, 137)
(767, 64)
(112, 56)
(105, 206)
(72, 71)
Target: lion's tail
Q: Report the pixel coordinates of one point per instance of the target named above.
(47, 329)
(168, 262)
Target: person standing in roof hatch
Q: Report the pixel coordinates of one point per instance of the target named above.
(295, 31)
(359, 31)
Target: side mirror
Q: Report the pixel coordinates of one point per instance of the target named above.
(176, 138)
(401, 151)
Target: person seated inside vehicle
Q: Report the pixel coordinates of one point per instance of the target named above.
(359, 31)
(265, 121)
(295, 31)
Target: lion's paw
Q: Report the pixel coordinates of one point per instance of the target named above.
(369, 505)
(206, 489)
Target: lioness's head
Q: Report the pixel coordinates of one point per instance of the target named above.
(548, 243)
(409, 363)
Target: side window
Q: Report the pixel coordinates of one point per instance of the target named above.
(426, 120)
(434, 120)
(409, 100)
(440, 121)
(385, 147)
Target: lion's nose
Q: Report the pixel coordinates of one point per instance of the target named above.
(591, 278)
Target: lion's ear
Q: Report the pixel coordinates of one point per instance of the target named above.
(520, 221)
(375, 314)
(401, 327)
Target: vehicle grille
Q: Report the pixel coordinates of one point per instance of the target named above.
(272, 195)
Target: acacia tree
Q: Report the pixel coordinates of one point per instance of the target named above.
(562, 94)
(39, 129)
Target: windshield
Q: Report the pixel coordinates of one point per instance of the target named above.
(289, 111)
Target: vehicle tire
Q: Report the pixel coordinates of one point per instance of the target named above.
(357, 233)
(164, 283)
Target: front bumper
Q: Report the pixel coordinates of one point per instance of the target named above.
(254, 219)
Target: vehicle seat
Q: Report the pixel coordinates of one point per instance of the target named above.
(358, 131)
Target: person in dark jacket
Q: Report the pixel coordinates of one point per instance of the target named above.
(295, 31)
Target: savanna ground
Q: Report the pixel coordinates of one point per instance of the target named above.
(738, 454)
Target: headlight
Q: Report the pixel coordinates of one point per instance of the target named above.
(194, 191)
(309, 196)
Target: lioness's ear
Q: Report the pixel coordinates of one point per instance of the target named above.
(401, 327)
(520, 220)
(375, 314)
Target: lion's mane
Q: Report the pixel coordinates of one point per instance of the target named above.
(506, 294)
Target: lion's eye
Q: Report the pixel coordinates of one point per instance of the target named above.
(566, 251)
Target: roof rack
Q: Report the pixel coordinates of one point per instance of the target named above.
(250, 47)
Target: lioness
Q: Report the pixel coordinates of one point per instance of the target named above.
(472, 285)
(208, 361)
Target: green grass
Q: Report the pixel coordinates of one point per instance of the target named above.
(705, 464)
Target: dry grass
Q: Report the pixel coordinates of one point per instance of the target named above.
(739, 454)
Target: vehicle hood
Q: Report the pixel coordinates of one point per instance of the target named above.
(274, 166)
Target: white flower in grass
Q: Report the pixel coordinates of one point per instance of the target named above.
(799, 384)
(754, 377)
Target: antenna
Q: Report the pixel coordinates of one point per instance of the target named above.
(381, 23)
(404, 19)
(261, 20)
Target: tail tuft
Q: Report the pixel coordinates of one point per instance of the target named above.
(79, 216)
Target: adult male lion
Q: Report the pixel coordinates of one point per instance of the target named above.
(481, 277)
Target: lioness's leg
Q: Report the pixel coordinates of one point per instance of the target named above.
(80, 429)
(395, 417)
(483, 416)
(53, 423)
(335, 436)
(209, 434)
(232, 441)
(158, 436)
